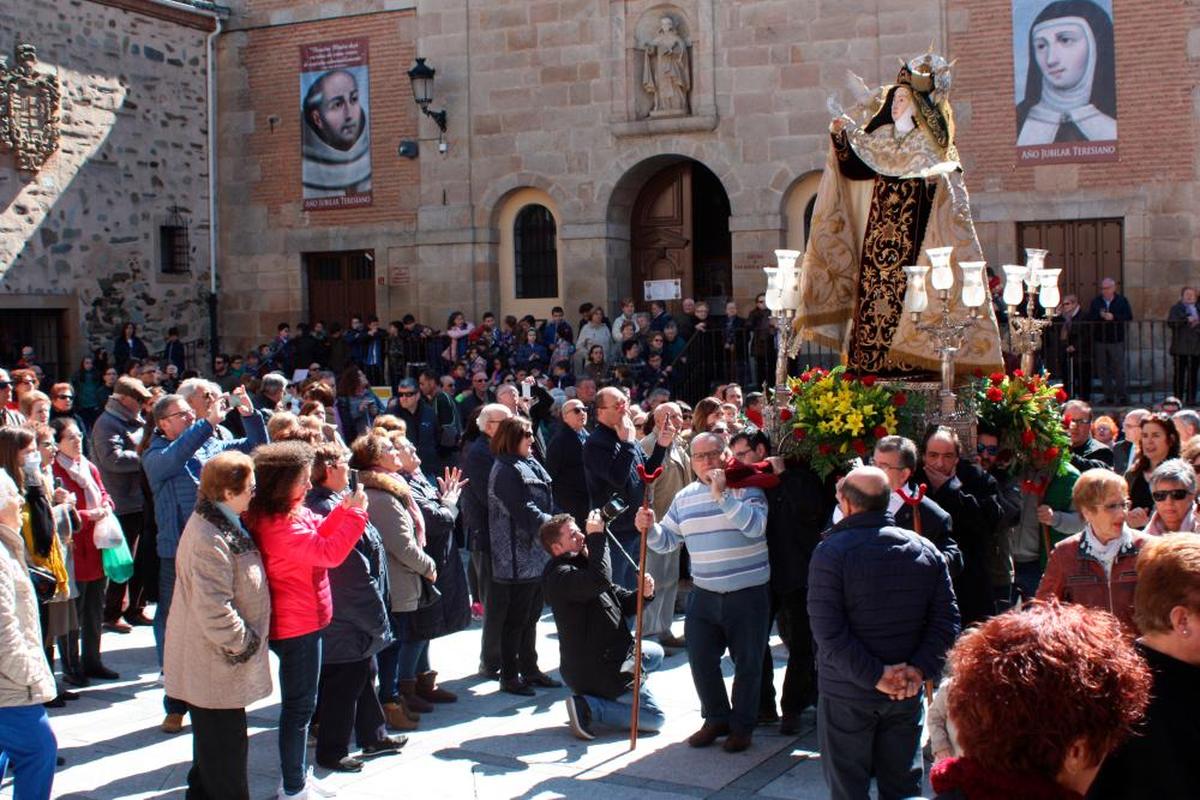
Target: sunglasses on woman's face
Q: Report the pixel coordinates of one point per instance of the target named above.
(990, 449)
(1174, 494)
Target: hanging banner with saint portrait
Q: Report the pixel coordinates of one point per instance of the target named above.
(335, 131)
(1065, 83)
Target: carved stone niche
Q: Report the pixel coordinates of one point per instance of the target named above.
(662, 68)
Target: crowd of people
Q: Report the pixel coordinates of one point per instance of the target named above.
(274, 507)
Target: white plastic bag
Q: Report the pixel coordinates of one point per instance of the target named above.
(107, 533)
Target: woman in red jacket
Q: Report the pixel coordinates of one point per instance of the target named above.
(81, 478)
(298, 548)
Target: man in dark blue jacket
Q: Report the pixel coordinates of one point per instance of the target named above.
(883, 616)
(611, 456)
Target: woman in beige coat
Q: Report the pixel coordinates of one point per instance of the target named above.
(25, 678)
(215, 655)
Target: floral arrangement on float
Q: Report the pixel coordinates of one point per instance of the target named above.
(1026, 411)
(835, 416)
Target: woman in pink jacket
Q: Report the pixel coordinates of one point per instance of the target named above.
(298, 548)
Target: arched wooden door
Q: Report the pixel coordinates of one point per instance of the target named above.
(662, 236)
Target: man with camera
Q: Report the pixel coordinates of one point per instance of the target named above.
(594, 642)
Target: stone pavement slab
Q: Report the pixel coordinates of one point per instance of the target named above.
(487, 745)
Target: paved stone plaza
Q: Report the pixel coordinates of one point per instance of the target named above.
(488, 745)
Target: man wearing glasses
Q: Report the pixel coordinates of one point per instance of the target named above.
(610, 460)
(730, 607)
(564, 461)
(172, 464)
(9, 416)
(1086, 452)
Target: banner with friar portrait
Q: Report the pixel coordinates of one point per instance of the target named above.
(1065, 85)
(335, 138)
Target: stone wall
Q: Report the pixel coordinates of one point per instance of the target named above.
(82, 234)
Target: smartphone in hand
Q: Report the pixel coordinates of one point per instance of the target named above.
(353, 483)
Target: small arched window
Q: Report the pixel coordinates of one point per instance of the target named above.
(535, 253)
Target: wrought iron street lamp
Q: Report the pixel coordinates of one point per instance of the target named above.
(421, 77)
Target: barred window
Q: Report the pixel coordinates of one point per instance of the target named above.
(535, 253)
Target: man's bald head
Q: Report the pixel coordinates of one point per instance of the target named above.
(866, 489)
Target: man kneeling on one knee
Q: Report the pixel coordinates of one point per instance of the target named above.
(595, 646)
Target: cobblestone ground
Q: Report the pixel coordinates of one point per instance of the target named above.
(487, 745)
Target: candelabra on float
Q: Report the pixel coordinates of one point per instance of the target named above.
(1025, 332)
(782, 298)
(947, 333)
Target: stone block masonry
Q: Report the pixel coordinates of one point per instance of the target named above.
(133, 144)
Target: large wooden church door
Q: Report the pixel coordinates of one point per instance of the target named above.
(662, 245)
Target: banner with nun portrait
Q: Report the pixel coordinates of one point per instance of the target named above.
(335, 134)
(1065, 83)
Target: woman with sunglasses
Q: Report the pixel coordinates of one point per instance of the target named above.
(1096, 567)
(519, 503)
(1173, 487)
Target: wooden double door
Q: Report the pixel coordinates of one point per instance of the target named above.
(340, 284)
(680, 230)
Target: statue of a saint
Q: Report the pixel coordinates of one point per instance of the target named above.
(666, 74)
(892, 187)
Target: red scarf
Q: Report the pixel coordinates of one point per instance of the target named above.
(741, 476)
(978, 782)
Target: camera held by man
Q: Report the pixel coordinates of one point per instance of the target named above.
(590, 613)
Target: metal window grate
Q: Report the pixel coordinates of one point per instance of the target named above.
(175, 251)
(535, 253)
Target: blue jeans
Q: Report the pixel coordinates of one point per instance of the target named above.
(27, 742)
(166, 588)
(736, 621)
(864, 738)
(299, 676)
(413, 659)
(619, 713)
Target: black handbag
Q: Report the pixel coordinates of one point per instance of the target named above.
(44, 583)
(430, 595)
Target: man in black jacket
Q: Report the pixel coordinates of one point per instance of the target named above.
(1114, 313)
(477, 467)
(972, 499)
(610, 460)
(1086, 452)
(564, 461)
(594, 642)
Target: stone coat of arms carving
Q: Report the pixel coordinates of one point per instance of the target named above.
(28, 110)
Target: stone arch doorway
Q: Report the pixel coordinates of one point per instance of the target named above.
(679, 229)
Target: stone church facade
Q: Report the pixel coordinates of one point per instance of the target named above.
(591, 145)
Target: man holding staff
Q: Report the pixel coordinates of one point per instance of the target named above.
(725, 530)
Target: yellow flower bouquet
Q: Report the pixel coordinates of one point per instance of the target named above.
(835, 416)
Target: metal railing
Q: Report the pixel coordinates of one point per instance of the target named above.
(711, 359)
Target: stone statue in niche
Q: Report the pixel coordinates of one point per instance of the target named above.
(667, 71)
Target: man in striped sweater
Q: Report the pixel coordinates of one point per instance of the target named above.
(725, 531)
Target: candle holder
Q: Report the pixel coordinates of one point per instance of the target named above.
(947, 333)
(782, 298)
(1025, 332)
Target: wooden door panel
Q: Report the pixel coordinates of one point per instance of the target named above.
(1088, 250)
(339, 285)
(662, 236)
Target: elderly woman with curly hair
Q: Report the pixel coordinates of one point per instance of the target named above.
(1095, 567)
(1040, 697)
(1160, 761)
